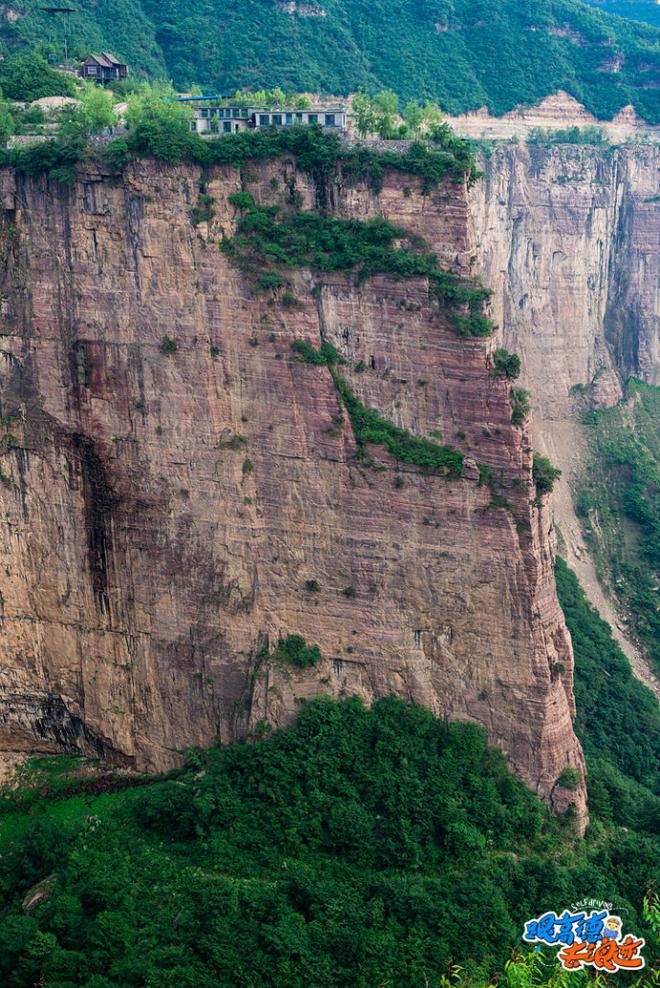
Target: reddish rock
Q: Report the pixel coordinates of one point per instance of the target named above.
(162, 513)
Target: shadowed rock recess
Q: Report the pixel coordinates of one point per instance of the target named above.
(172, 508)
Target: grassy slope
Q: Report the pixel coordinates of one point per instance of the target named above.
(620, 507)
(453, 50)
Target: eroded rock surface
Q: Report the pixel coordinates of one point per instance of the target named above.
(161, 514)
(569, 239)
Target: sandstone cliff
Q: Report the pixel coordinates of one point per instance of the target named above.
(161, 514)
(568, 239)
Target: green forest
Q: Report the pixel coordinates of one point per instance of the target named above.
(359, 848)
(618, 721)
(454, 50)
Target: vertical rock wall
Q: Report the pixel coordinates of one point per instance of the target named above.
(161, 514)
(569, 239)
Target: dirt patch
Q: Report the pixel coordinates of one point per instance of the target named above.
(10, 761)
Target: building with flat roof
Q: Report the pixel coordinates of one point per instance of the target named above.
(231, 118)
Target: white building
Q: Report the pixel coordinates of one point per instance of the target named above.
(233, 119)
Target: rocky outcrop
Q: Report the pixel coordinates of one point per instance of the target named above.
(555, 112)
(168, 516)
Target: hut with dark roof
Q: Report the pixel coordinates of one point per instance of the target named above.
(103, 68)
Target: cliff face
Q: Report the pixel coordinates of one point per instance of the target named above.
(162, 513)
(568, 238)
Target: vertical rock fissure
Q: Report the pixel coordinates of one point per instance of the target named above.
(99, 501)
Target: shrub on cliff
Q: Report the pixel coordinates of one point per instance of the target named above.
(520, 406)
(293, 650)
(544, 475)
(268, 237)
(56, 159)
(168, 345)
(369, 426)
(325, 356)
(569, 778)
(506, 364)
(161, 127)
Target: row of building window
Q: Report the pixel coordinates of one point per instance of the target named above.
(236, 113)
(266, 119)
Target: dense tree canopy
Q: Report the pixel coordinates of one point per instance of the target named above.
(618, 719)
(452, 51)
(29, 77)
(361, 847)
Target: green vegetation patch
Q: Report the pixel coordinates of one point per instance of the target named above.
(620, 507)
(618, 720)
(544, 475)
(164, 132)
(506, 364)
(161, 128)
(269, 237)
(370, 427)
(447, 155)
(638, 10)
(569, 778)
(27, 77)
(293, 650)
(594, 136)
(356, 849)
(325, 356)
(168, 345)
(520, 406)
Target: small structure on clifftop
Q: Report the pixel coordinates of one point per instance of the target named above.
(217, 115)
(103, 68)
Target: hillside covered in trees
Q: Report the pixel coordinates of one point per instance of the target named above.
(361, 847)
(454, 49)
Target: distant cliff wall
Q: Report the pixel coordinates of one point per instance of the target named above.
(569, 239)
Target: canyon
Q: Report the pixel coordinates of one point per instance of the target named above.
(568, 239)
(169, 511)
